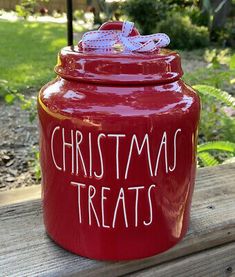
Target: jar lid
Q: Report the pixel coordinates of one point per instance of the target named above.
(117, 66)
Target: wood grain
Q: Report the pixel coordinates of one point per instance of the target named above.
(25, 250)
(20, 195)
(216, 262)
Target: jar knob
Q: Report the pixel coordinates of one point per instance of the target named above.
(118, 26)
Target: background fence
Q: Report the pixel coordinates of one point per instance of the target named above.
(58, 5)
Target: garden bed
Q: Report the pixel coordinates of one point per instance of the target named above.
(19, 142)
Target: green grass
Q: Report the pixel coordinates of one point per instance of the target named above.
(28, 52)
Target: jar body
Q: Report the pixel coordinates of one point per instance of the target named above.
(118, 166)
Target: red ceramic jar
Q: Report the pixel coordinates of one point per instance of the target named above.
(118, 136)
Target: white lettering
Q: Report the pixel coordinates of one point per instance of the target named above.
(78, 151)
(173, 168)
(150, 207)
(79, 198)
(101, 158)
(117, 136)
(52, 148)
(139, 150)
(67, 144)
(90, 154)
(121, 197)
(163, 142)
(136, 202)
(102, 205)
(91, 205)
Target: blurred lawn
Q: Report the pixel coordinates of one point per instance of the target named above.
(28, 52)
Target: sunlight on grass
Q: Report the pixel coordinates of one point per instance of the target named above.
(56, 43)
(29, 51)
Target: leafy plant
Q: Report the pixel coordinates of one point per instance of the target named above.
(220, 95)
(26, 104)
(183, 33)
(146, 13)
(216, 125)
(5, 89)
(27, 7)
(219, 73)
(204, 150)
(36, 165)
(78, 15)
(198, 17)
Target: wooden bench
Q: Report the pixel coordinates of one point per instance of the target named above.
(207, 250)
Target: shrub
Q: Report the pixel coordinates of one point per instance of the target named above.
(183, 33)
(197, 16)
(26, 8)
(145, 13)
(78, 15)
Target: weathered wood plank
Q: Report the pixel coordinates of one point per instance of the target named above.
(25, 250)
(20, 195)
(216, 262)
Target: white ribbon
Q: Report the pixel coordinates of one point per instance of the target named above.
(106, 39)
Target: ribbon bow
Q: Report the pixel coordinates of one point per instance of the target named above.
(107, 39)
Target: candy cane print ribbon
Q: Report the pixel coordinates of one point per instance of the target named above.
(107, 39)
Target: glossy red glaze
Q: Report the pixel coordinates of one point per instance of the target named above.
(117, 25)
(117, 150)
(119, 68)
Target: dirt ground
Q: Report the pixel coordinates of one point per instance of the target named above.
(19, 140)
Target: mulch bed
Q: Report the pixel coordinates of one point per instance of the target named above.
(19, 141)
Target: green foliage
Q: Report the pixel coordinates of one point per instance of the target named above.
(207, 159)
(183, 33)
(217, 104)
(78, 15)
(217, 126)
(197, 16)
(169, 17)
(217, 145)
(5, 89)
(204, 151)
(225, 35)
(146, 13)
(221, 33)
(36, 165)
(26, 8)
(232, 62)
(187, 18)
(9, 98)
(220, 95)
(27, 104)
(215, 122)
(219, 72)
